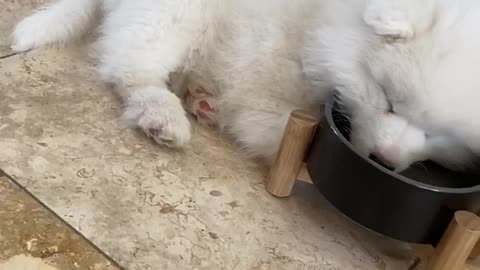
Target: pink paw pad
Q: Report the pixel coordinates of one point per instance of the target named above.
(200, 102)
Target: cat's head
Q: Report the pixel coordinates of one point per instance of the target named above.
(398, 138)
(409, 100)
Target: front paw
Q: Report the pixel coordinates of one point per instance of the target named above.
(171, 129)
(162, 119)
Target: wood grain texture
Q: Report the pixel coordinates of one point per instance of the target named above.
(457, 243)
(296, 140)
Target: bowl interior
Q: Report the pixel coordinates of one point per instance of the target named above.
(427, 172)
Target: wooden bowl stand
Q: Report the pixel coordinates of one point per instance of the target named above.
(459, 244)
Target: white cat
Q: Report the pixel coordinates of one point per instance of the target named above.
(404, 67)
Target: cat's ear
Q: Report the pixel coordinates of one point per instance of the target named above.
(400, 19)
(389, 18)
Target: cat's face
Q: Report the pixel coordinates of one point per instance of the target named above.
(397, 113)
(390, 138)
(410, 100)
(398, 141)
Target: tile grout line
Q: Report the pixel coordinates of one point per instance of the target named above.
(8, 55)
(68, 225)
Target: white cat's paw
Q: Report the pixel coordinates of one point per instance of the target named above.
(161, 118)
(167, 128)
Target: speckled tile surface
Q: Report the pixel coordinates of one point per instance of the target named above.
(28, 229)
(148, 207)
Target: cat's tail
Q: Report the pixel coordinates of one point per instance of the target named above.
(56, 23)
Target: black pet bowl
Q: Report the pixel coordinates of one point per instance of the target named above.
(415, 206)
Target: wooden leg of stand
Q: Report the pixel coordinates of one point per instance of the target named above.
(457, 243)
(475, 252)
(296, 140)
(475, 255)
(423, 252)
(471, 266)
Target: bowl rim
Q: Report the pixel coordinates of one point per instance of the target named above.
(332, 99)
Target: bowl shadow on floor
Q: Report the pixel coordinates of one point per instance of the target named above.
(374, 244)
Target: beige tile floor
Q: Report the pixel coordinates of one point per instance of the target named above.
(32, 236)
(148, 207)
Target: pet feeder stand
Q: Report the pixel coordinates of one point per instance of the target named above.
(459, 243)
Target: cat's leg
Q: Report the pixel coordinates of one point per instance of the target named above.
(143, 42)
(257, 123)
(254, 121)
(259, 133)
(399, 19)
(56, 23)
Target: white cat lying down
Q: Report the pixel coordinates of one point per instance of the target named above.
(406, 68)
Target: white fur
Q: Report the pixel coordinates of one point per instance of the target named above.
(399, 18)
(55, 23)
(263, 59)
(428, 77)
